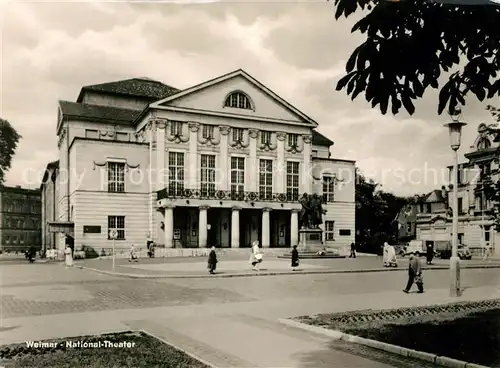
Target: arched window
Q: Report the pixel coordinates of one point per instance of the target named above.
(238, 100)
(484, 143)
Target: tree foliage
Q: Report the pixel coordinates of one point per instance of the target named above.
(8, 144)
(410, 44)
(375, 213)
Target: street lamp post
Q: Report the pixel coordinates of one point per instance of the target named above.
(455, 131)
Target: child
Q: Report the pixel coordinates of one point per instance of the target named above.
(295, 258)
(133, 257)
(212, 261)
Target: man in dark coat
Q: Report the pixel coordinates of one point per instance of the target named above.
(353, 250)
(295, 257)
(414, 274)
(212, 261)
(430, 253)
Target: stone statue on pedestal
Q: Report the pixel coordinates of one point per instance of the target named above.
(311, 214)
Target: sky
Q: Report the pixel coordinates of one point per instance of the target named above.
(297, 49)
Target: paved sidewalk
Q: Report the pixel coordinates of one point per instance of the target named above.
(194, 267)
(238, 334)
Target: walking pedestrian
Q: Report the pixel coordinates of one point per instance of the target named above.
(68, 257)
(31, 254)
(429, 252)
(133, 257)
(353, 250)
(256, 260)
(295, 258)
(414, 274)
(212, 261)
(150, 246)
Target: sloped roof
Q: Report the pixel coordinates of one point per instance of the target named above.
(103, 114)
(228, 76)
(438, 193)
(319, 139)
(136, 87)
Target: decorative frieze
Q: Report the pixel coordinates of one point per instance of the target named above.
(239, 142)
(281, 136)
(178, 135)
(307, 138)
(224, 129)
(209, 136)
(194, 127)
(253, 133)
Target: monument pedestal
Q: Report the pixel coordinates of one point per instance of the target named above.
(310, 240)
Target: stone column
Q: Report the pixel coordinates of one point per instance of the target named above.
(159, 169)
(235, 227)
(202, 227)
(266, 231)
(224, 169)
(280, 164)
(294, 228)
(307, 179)
(169, 227)
(192, 177)
(252, 161)
(151, 131)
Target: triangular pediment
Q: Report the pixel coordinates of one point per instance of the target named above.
(211, 96)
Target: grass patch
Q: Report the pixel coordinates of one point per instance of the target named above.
(466, 331)
(143, 351)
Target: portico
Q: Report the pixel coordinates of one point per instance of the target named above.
(228, 225)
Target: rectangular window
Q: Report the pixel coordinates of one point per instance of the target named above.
(123, 137)
(237, 134)
(292, 180)
(175, 128)
(460, 238)
(265, 137)
(314, 153)
(176, 173)
(328, 189)
(14, 239)
(329, 230)
(460, 205)
(345, 232)
(208, 175)
(116, 177)
(21, 238)
(266, 179)
(117, 223)
(208, 131)
(237, 175)
(7, 239)
(293, 139)
(91, 133)
(421, 208)
(429, 207)
(486, 233)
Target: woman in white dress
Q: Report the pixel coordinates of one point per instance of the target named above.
(68, 257)
(256, 255)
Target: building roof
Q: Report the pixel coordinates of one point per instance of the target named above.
(19, 189)
(228, 76)
(102, 114)
(51, 165)
(319, 139)
(438, 193)
(137, 87)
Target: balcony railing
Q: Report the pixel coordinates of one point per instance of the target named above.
(176, 193)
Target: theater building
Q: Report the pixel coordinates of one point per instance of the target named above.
(221, 163)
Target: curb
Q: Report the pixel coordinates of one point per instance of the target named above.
(265, 273)
(393, 349)
(180, 349)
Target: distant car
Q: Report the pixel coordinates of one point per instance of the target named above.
(464, 252)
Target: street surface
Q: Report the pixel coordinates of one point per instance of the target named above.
(227, 321)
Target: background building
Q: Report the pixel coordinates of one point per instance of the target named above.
(222, 163)
(475, 227)
(20, 219)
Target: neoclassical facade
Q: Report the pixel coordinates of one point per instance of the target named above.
(222, 163)
(475, 221)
